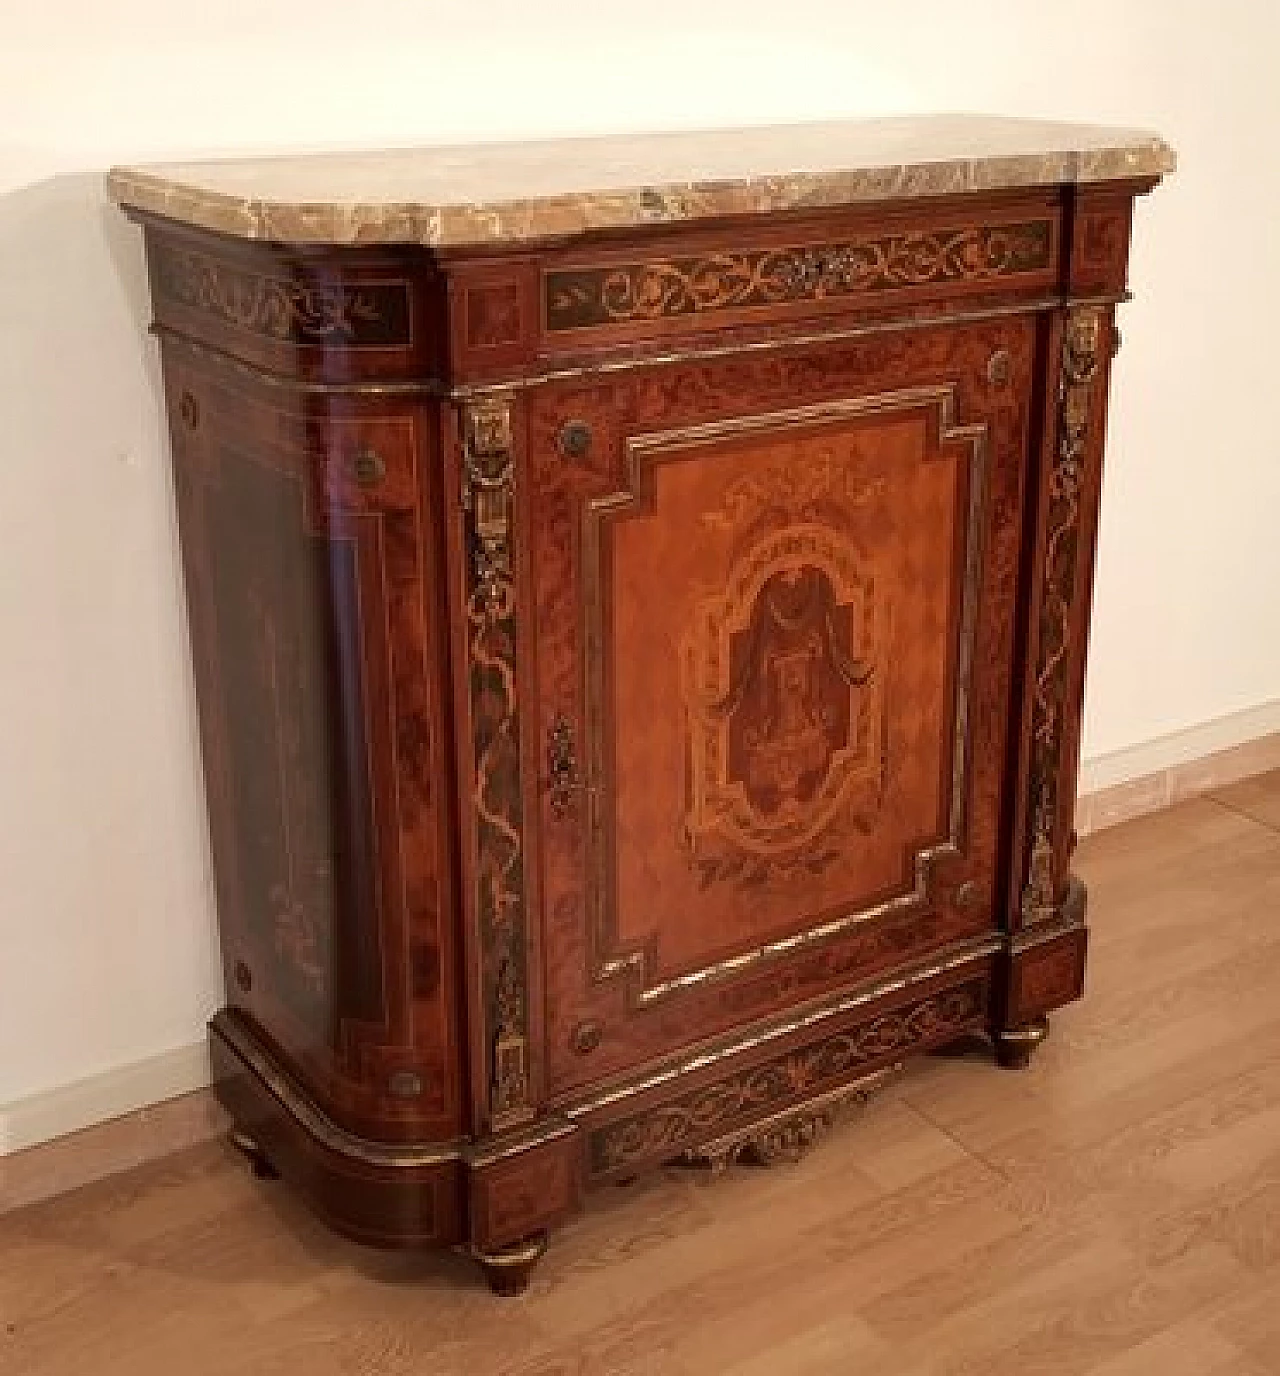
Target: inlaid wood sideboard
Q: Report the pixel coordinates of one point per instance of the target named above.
(638, 590)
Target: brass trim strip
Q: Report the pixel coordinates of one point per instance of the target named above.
(955, 957)
(299, 1107)
(652, 446)
(492, 1149)
(438, 388)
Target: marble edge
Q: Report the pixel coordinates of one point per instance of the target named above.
(541, 217)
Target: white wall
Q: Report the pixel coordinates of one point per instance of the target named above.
(107, 947)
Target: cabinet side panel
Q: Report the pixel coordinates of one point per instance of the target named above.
(309, 548)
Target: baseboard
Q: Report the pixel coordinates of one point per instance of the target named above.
(57, 1141)
(1130, 783)
(99, 1098)
(1245, 728)
(76, 1134)
(96, 1153)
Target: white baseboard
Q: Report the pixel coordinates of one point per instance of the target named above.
(84, 1103)
(1178, 748)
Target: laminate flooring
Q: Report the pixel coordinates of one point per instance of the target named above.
(1114, 1210)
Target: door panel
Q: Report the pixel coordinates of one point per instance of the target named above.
(774, 603)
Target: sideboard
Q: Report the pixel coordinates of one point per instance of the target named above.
(638, 591)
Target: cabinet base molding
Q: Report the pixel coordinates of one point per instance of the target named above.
(766, 1099)
(498, 1197)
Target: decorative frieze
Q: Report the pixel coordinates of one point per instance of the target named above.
(577, 298)
(289, 309)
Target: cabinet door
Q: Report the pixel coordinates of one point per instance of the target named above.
(774, 609)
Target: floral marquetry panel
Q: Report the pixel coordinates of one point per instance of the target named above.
(802, 612)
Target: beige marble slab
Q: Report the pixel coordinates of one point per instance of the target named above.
(475, 194)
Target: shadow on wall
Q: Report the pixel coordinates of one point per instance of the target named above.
(107, 946)
(70, 263)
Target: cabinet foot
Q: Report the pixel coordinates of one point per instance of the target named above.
(1015, 1045)
(967, 1045)
(248, 1147)
(507, 1269)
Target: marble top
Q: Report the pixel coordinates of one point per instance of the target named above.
(492, 193)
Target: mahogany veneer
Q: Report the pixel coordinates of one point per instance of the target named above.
(639, 676)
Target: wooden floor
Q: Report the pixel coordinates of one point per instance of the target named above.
(1114, 1210)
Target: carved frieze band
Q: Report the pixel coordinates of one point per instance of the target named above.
(577, 298)
(1081, 361)
(709, 1113)
(787, 1135)
(487, 497)
(292, 311)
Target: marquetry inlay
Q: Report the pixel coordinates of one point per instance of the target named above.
(577, 298)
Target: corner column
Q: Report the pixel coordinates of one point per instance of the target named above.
(1047, 939)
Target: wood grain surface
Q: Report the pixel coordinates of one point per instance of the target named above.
(1114, 1211)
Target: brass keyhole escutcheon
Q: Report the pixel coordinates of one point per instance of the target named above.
(586, 1037)
(999, 368)
(369, 467)
(575, 439)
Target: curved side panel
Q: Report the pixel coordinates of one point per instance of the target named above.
(308, 529)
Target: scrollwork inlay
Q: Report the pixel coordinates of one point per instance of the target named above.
(788, 1135)
(488, 475)
(1080, 365)
(577, 298)
(285, 308)
(707, 1114)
